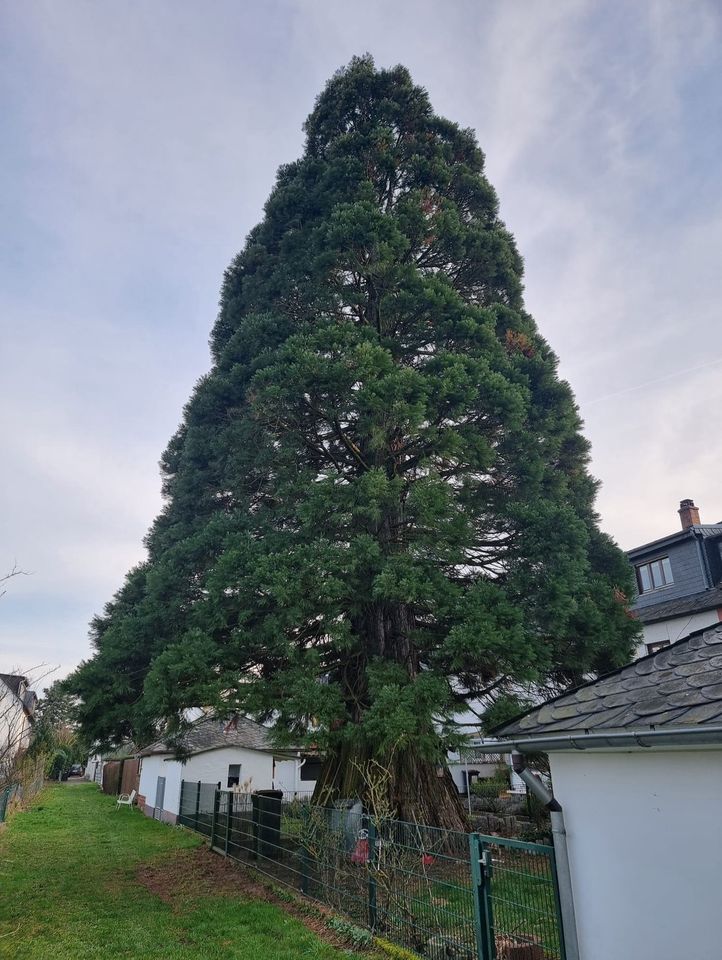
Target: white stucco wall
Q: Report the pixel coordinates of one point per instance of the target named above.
(287, 777)
(213, 766)
(675, 629)
(645, 849)
(161, 766)
(209, 767)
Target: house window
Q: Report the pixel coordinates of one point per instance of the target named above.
(234, 775)
(311, 770)
(658, 645)
(652, 576)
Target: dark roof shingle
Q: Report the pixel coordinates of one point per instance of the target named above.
(705, 531)
(697, 603)
(13, 681)
(211, 733)
(680, 685)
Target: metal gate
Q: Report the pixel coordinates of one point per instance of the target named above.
(517, 903)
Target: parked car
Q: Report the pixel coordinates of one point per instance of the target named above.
(76, 770)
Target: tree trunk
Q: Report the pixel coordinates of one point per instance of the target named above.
(405, 786)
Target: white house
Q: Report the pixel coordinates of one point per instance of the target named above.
(636, 765)
(17, 708)
(94, 768)
(237, 753)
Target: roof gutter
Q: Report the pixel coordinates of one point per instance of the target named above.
(649, 737)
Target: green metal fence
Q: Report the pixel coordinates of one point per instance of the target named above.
(437, 892)
(196, 805)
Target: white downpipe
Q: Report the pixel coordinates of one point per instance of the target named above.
(296, 767)
(561, 855)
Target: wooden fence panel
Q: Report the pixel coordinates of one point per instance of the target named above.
(111, 777)
(130, 778)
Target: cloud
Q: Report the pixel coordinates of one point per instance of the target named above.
(140, 143)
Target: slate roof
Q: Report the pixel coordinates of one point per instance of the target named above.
(704, 530)
(123, 752)
(679, 686)
(709, 529)
(12, 681)
(697, 603)
(211, 733)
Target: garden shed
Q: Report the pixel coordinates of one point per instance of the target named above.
(235, 753)
(636, 765)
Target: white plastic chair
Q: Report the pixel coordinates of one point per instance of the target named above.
(125, 800)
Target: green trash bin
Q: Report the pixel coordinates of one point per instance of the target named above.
(267, 823)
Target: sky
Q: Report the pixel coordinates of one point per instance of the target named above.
(138, 143)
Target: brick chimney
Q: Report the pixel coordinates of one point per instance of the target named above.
(688, 514)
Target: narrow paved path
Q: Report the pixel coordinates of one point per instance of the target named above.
(79, 880)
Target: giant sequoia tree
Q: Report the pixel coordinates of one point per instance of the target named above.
(378, 505)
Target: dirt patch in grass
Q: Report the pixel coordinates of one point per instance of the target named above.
(192, 874)
(188, 875)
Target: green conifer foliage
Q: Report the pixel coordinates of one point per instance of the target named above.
(378, 505)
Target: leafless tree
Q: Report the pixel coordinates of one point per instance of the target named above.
(14, 572)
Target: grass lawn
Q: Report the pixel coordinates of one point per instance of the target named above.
(70, 888)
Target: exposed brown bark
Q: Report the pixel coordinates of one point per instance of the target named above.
(413, 789)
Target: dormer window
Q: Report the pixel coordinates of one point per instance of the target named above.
(654, 575)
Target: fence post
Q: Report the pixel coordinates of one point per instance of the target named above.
(229, 814)
(480, 861)
(216, 803)
(371, 832)
(303, 855)
(305, 878)
(198, 803)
